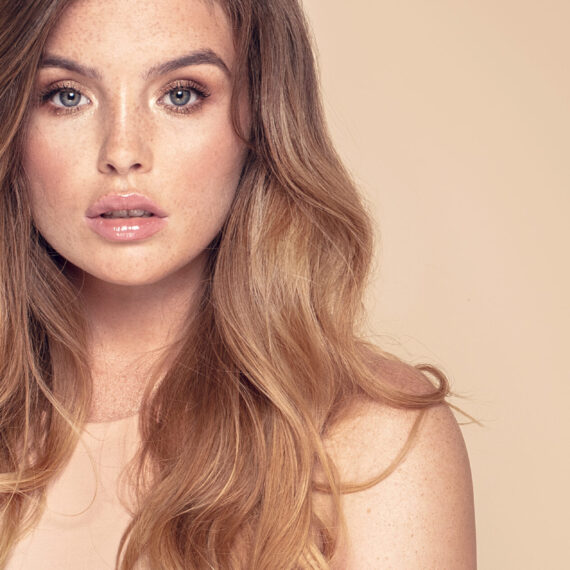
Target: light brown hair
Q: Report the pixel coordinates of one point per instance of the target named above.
(234, 431)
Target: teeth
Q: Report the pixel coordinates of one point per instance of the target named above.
(127, 214)
(116, 214)
(139, 214)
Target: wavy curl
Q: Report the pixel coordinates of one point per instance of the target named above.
(234, 432)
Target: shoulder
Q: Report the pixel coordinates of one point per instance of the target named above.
(421, 515)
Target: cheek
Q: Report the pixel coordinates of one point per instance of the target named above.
(51, 165)
(208, 168)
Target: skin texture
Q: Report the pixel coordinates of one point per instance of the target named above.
(124, 138)
(125, 135)
(420, 517)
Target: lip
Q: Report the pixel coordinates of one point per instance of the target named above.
(125, 229)
(131, 201)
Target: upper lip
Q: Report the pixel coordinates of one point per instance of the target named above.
(126, 201)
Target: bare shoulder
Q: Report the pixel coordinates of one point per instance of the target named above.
(421, 515)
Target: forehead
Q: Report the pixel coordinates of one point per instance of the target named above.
(140, 31)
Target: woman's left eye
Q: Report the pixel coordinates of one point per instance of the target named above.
(182, 98)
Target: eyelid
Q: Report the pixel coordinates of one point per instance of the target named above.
(52, 89)
(202, 92)
(46, 93)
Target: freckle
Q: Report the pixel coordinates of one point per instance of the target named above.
(368, 510)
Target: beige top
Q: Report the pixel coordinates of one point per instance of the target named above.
(84, 518)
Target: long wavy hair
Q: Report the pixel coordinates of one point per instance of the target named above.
(234, 432)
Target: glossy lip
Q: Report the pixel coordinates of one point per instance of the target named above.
(125, 229)
(131, 201)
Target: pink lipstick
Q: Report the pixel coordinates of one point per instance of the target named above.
(125, 217)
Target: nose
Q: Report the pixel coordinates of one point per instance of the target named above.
(126, 144)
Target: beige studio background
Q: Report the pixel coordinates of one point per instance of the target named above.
(453, 116)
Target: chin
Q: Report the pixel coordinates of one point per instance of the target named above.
(134, 279)
(144, 275)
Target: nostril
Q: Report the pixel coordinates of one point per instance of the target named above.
(121, 165)
(121, 153)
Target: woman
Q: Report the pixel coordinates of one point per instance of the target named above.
(182, 252)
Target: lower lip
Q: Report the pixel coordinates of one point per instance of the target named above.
(126, 229)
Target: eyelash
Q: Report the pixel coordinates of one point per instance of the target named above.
(47, 94)
(185, 85)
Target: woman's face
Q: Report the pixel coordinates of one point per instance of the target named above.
(131, 155)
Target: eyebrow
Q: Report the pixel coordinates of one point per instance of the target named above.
(70, 65)
(198, 57)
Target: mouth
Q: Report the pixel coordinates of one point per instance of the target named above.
(125, 217)
(116, 214)
(124, 206)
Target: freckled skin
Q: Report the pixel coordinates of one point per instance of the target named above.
(189, 165)
(124, 141)
(421, 516)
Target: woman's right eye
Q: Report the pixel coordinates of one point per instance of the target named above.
(69, 98)
(65, 98)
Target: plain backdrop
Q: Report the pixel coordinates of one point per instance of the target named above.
(454, 118)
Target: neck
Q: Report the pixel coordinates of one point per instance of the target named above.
(131, 329)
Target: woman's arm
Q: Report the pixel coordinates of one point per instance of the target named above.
(421, 516)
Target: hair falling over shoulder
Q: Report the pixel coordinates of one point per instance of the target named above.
(234, 432)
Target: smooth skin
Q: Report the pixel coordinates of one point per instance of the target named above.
(119, 113)
(419, 518)
(113, 117)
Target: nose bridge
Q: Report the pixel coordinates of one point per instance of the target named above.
(125, 144)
